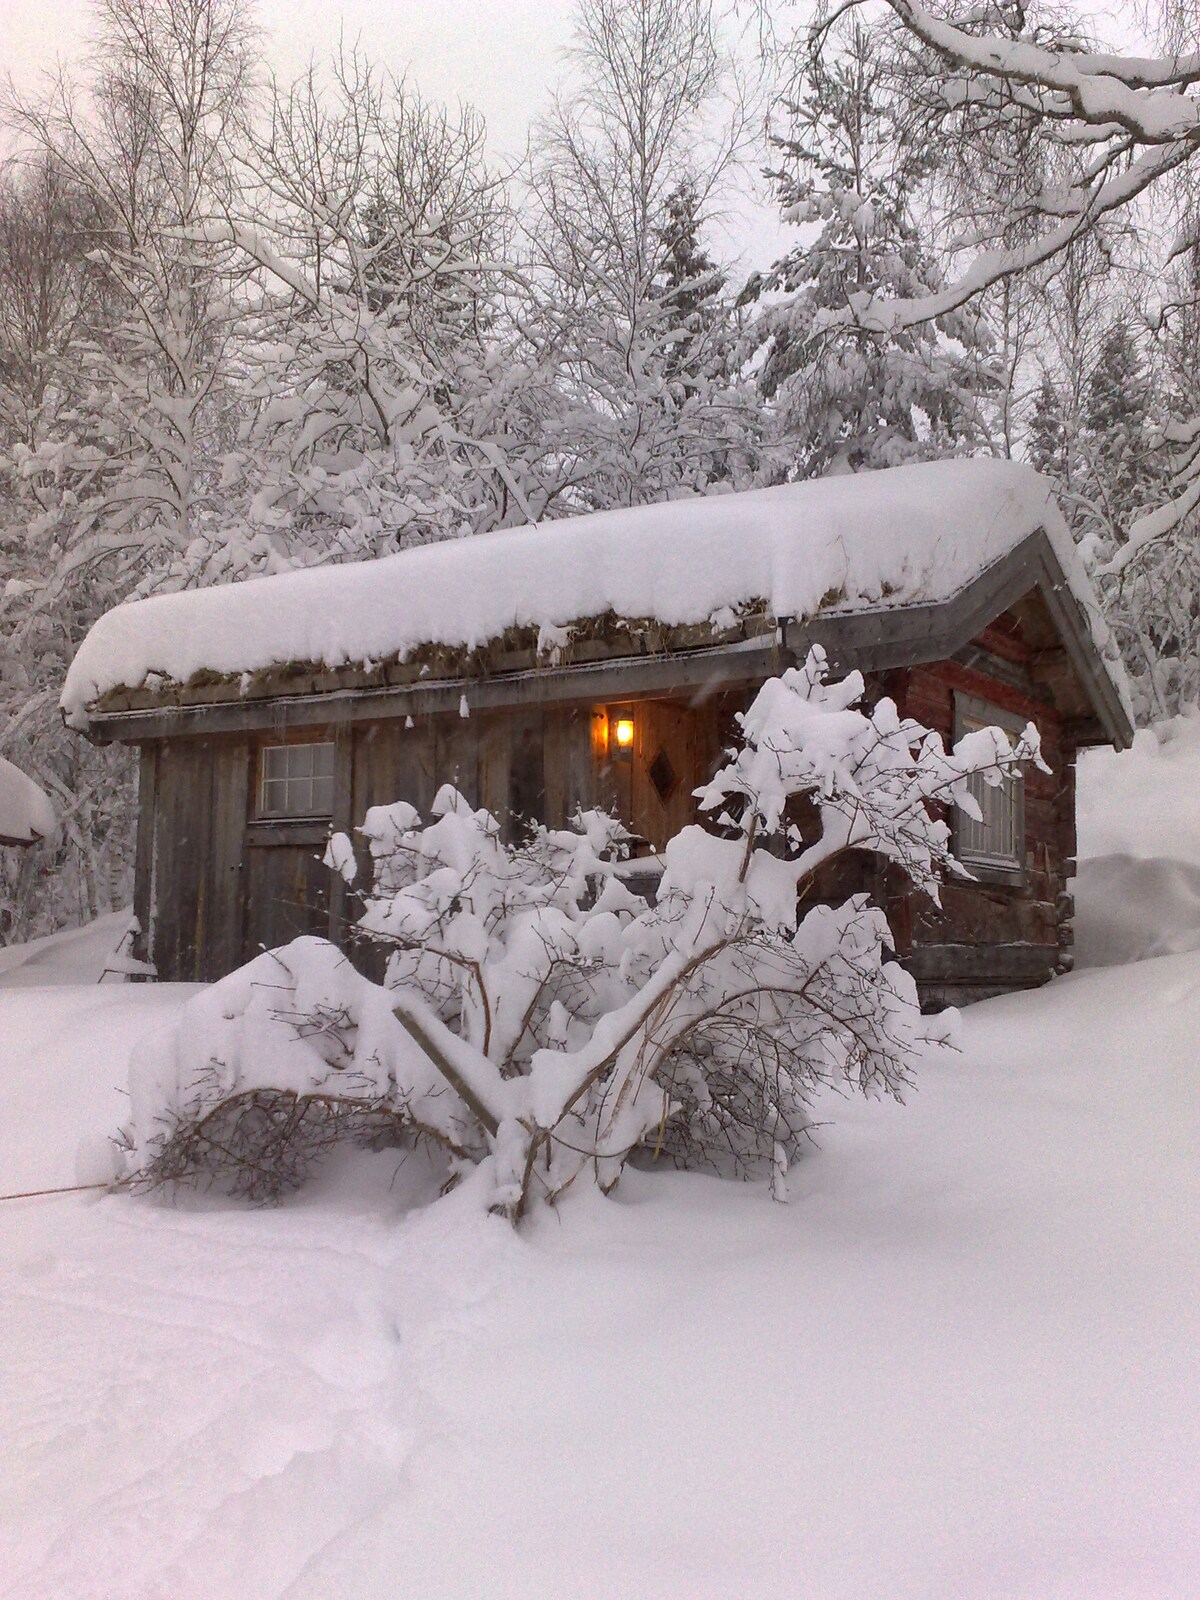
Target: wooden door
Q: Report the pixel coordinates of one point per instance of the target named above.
(287, 887)
(651, 786)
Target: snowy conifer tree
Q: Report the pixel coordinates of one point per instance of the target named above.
(1048, 450)
(852, 167)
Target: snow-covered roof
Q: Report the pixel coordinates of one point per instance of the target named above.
(903, 536)
(26, 815)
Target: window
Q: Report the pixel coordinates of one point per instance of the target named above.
(997, 841)
(295, 780)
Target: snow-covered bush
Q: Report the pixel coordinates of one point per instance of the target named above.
(544, 1023)
(268, 1068)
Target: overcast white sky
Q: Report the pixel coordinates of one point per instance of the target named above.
(503, 56)
(500, 54)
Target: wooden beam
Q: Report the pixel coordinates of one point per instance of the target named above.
(698, 673)
(1014, 964)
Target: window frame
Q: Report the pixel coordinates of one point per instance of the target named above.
(261, 813)
(972, 712)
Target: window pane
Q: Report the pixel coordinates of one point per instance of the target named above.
(296, 780)
(996, 839)
(322, 796)
(275, 761)
(273, 794)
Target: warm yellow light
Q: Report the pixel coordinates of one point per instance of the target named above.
(624, 733)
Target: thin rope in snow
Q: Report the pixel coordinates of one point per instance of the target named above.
(70, 1188)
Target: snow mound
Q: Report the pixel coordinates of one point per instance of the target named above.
(298, 1020)
(956, 1366)
(26, 815)
(1137, 894)
(903, 536)
(1143, 801)
(1127, 909)
(74, 955)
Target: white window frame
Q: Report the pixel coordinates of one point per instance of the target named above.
(295, 781)
(995, 847)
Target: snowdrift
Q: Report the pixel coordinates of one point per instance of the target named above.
(1137, 894)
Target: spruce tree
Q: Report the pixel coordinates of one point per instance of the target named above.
(691, 291)
(1048, 433)
(852, 167)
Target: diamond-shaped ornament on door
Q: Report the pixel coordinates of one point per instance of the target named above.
(663, 776)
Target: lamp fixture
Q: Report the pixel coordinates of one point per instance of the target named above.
(623, 733)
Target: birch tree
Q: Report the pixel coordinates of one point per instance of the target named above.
(653, 121)
(386, 405)
(115, 327)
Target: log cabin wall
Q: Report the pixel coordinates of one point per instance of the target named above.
(676, 745)
(1001, 932)
(191, 885)
(216, 884)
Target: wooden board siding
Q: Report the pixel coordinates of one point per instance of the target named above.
(190, 889)
(288, 891)
(688, 735)
(214, 886)
(227, 891)
(531, 762)
(145, 907)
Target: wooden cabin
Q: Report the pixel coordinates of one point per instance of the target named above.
(600, 661)
(26, 815)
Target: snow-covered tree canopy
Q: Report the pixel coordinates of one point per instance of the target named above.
(1125, 130)
(543, 1023)
(1135, 119)
(852, 162)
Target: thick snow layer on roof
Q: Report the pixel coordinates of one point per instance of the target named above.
(898, 537)
(25, 812)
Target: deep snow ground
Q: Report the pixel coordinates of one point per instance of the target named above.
(961, 1363)
(1138, 890)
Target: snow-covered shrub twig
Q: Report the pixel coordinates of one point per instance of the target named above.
(567, 1024)
(274, 1065)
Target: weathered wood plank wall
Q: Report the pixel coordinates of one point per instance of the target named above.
(214, 886)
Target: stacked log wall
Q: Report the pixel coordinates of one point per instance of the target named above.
(1002, 931)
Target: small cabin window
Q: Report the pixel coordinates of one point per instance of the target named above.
(997, 840)
(295, 780)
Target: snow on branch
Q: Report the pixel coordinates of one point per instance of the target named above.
(544, 1025)
(1135, 115)
(1143, 96)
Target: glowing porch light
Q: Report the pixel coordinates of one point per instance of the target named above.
(624, 733)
